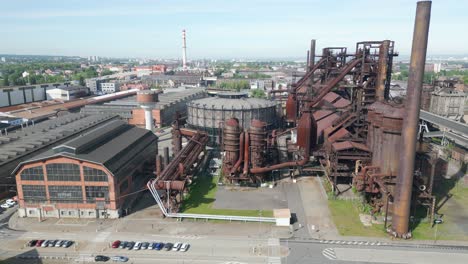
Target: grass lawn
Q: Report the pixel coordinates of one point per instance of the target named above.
(202, 195)
(345, 214)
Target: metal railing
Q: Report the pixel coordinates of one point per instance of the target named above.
(154, 192)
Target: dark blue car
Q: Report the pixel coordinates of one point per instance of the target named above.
(158, 246)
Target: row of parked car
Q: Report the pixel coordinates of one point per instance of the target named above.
(178, 246)
(50, 243)
(8, 204)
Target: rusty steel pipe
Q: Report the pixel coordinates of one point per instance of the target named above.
(382, 71)
(241, 154)
(404, 183)
(246, 153)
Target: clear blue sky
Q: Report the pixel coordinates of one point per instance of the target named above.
(220, 29)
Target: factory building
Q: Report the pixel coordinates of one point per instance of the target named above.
(163, 111)
(16, 95)
(209, 114)
(67, 93)
(88, 176)
(25, 143)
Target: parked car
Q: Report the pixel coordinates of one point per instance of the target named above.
(158, 246)
(11, 202)
(151, 245)
(176, 246)
(119, 259)
(6, 206)
(53, 242)
(184, 247)
(67, 243)
(137, 245)
(45, 243)
(145, 245)
(168, 246)
(101, 258)
(123, 244)
(39, 243)
(130, 245)
(59, 243)
(116, 244)
(32, 243)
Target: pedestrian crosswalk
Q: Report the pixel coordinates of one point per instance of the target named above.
(329, 253)
(356, 243)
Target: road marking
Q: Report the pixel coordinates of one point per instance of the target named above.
(273, 242)
(329, 253)
(274, 260)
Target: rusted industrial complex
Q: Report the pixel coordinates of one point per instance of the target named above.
(338, 120)
(339, 116)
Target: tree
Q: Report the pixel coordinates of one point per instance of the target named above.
(6, 82)
(257, 93)
(82, 81)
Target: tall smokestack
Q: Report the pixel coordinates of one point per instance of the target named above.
(312, 54)
(404, 184)
(184, 50)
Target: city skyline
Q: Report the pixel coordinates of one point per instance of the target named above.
(260, 29)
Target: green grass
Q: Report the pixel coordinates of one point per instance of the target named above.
(345, 215)
(202, 196)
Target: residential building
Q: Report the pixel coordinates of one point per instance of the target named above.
(110, 87)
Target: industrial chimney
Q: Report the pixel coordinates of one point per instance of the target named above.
(184, 50)
(404, 184)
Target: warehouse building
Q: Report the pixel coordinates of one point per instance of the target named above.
(163, 111)
(25, 143)
(88, 176)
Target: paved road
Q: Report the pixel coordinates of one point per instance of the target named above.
(306, 252)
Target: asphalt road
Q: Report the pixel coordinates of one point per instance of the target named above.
(302, 252)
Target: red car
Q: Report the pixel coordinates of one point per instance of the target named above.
(116, 244)
(39, 243)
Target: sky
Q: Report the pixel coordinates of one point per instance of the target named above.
(218, 29)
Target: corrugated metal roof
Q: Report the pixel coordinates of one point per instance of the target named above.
(342, 132)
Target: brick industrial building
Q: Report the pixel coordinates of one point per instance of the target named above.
(89, 176)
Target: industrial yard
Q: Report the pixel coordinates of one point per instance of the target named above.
(350, 154)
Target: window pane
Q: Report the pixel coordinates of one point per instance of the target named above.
(91, 174)
(66, 194)
(63, 172)
(93, 192)
(34, 193)
(33, 174)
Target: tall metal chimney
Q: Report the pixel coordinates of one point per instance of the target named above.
(184, 50)
(312, 54)
(404, 184)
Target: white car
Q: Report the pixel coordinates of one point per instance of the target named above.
(10, 201)
(45, 243)
(5, 205)
(184, 247)
(176, 246)
(137, 246)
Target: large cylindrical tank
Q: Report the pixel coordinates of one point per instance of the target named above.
(147, 97)
(231, 142)
(384, 138)
(209, 114)
(257, 143)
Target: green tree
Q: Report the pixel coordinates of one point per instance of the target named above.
(257, 93)
(82, 80)
(6, 82)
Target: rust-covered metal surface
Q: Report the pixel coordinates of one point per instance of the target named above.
(404, 184)
(231, 143)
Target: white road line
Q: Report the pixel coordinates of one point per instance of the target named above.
(329, 253)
